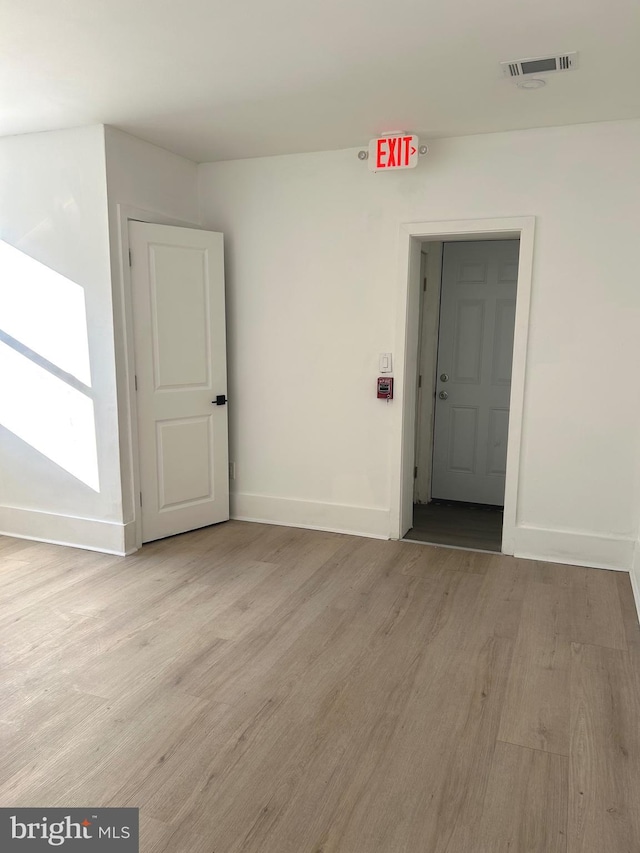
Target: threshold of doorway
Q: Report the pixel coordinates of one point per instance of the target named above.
(450, 547)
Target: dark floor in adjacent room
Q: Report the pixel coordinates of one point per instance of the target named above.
(458, 524)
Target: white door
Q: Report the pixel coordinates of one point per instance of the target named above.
(473, 384)
(177, 279)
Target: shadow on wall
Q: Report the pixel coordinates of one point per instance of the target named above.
(45, 376)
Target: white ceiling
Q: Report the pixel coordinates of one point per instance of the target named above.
(223, 79)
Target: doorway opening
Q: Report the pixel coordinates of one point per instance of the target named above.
(465, 350)
(463, 318)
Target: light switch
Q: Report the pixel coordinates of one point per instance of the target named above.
(386, 363)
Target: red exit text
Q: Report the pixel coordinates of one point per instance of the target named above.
(393, 152)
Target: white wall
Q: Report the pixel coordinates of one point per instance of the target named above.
(65, 198)
(53, 209)
(148, 183)
(312, 264)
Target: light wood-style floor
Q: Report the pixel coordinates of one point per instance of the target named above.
(272, 690)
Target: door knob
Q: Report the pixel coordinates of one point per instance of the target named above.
(444, 377)
(443, 395)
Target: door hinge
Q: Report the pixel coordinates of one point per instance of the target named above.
(415, 473)
(424, 284)
(135, 379)
(419, 381)
(130, 259)
(140, 498)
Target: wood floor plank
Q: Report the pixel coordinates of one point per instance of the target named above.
(462, 793)
(596, 614)
(10, 546)
(261, 689)
(329, 659)
(410, 794)
(41, 721)
(525, 807)
(558, 574)
(118, 741)
(536, 709)
(604, 780)
(159, 837)
(251, 660)
(499, 602)
(321, 726)
(425, 561)
(629, 612)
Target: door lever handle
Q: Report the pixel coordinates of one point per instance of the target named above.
(220, 400)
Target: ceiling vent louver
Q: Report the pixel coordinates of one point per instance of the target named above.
(536, 66)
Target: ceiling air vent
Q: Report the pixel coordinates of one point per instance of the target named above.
(540, 65)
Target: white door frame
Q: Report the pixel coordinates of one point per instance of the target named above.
(404, 422)
(128, 420)
(428, 359)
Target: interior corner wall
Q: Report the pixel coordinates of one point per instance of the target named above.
(155, 185)
(312, 262)
(54, 211)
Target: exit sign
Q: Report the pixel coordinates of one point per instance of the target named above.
(393, 152)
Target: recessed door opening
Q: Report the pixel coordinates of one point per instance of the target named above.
(465, 353)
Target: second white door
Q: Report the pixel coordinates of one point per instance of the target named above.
(177, 281)
(473, 384)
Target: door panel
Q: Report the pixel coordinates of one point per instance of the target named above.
(463, 437)
(497, 442)
(468, 338)
(475, 350)
(180, 348)
(185, 478)
(181, 327)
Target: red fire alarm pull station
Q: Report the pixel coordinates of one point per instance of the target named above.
(385, 387)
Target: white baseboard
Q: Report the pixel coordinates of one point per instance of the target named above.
(573, 548)
(314, 515)
(635, 576)
(87, 533)
(130, 538)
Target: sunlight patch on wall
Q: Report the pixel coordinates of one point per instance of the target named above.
(44, 311)
(50, 415)
(45, 377)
